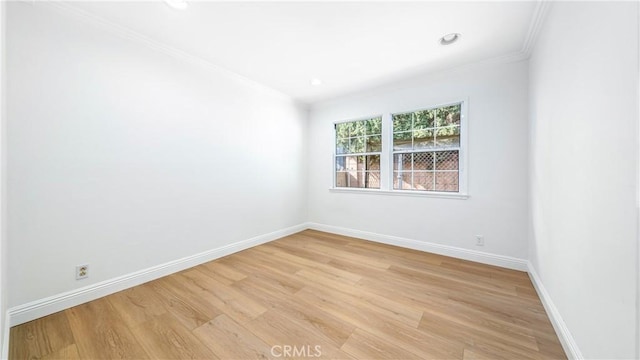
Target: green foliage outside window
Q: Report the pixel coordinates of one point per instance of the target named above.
(359, 136)
(422, 128)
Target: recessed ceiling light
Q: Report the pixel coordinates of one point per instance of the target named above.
(449, 39)
(177, 4)
(316, 82)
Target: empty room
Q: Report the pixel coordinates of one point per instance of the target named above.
(185, 179)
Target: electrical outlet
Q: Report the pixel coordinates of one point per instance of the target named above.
(479, 240)
(82, 271)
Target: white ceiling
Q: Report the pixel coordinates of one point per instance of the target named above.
(348, 45)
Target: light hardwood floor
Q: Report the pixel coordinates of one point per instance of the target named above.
(315, 294)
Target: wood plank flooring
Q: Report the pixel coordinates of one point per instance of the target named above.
(308, 295)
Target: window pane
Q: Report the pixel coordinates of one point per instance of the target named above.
(447, 181)
(369, 162)
(448, 131)
(342, 146)
(423, 139)
(356, 145)
(401, 122)
(432, 128)
(372, 180)
(341, 178)
(448, 137)
(355, 179)
(342, 130)
(356, 128)
(402, 180)
(447, 160)
(423, 119)
(448, 142)
(340, 163)
(351, 127)
(357, 137)
(350, 162)
(365, 171)
(415, 171)
(373, 126)
(402, 140)
(361, 163)
(374, 143)
(449, 115)
(423, 180)
(402, 162)
(423, 161)
(358, 179)
(350, 171)
(373, 162)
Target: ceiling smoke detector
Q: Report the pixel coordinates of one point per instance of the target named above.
(449, 39)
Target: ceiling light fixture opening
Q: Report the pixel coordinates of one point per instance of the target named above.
(316, 82)
(177, 4)
(449, 39)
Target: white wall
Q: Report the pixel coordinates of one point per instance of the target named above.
(584, 113)
(498, 172)
(124, 158)
(3, 212)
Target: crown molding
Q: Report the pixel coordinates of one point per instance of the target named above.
(537, 19)
(391, 82)
(132, 35)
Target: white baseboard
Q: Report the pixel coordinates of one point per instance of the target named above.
(39, 308)
(564, 335)
(52, 304)
(456, 252)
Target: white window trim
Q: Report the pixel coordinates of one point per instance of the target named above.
(386, 158)
(416, 193)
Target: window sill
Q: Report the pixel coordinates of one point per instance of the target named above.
(442, 195)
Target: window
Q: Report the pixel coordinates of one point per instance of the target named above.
(426, 149)
(357, 156)
(416, 152)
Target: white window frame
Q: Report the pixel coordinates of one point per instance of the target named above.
(335, 155)
(386, 157)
